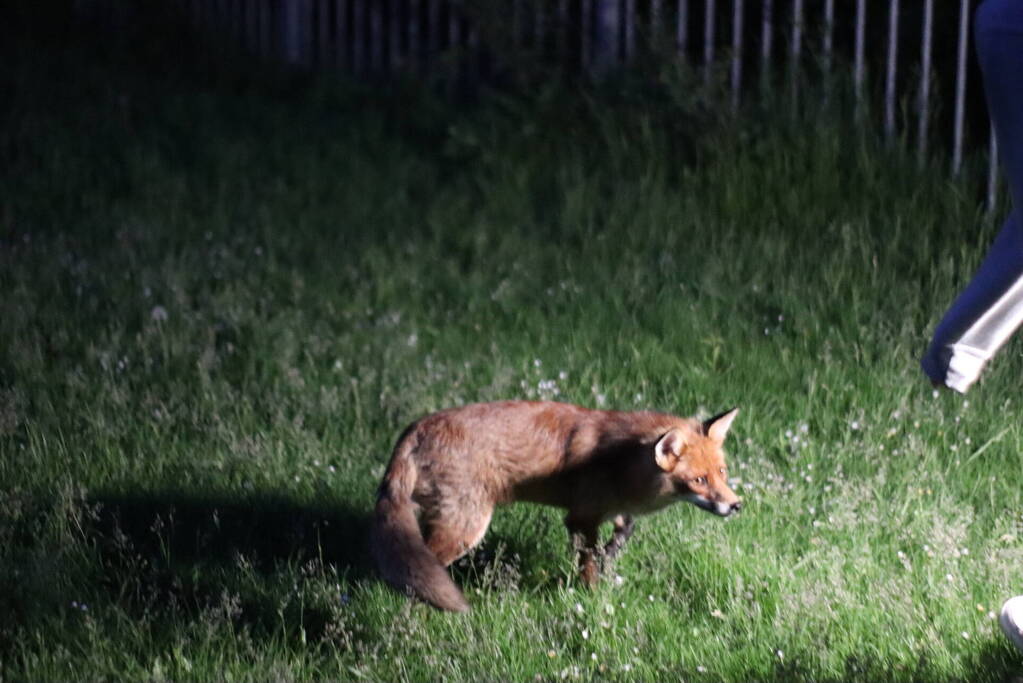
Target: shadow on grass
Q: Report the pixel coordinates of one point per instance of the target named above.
(265, 531)
(267, 562)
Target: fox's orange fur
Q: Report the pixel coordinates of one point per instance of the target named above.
(451, 468)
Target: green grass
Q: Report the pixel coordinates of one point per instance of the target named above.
(222, 300)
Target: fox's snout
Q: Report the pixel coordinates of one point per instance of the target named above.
(718, 507)
(728, 509)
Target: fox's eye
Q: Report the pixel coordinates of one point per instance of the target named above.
(700, 480)
(722, 470)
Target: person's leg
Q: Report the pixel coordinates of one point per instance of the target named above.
(990, 309)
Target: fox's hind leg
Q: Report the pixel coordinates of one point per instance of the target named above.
(585, 540)
(451, 536)
(624, 526)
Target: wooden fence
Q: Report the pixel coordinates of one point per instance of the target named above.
(908, 60)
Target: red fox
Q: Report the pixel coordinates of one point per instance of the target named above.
(449, 469)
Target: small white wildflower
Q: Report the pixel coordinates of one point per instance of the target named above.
(578, 608)
(780, 654)
(562, 375)
(650, 598)
(537, 362)
(701, 669)
(332, 469)
(593, 656)
(934, 394)
(626, 667)
(585, 634)
(619, 580)
(966, 635)
(854, 425)
(601, 399)
(159, 314)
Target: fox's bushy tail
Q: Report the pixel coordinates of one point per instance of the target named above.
(397, 541)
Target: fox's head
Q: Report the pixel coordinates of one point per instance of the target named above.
(694, 464)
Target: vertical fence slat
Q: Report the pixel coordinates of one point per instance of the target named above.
(518, 25)
(960, 105)
(323, 32)
(925, 79)
(473, 55)
(737, 12)
(766, 39)
(586, 31)
(295, 26)
(562, 47)
(267, 29)
(992, 170)
(630, 29)
(682, 27)
(454, 46)
(708, 40)
(539, 27)
(795, 50)
(393, 35)
(433, 29)
(341, 34)
(358, 37)
(413, 23)
(376, 36)
(829, 33)
(606, 33)
(254, 11)
(892, 62)
(656, 12)
(860, 60)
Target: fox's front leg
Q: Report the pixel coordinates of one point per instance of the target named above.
(584, 539)
(624, 526)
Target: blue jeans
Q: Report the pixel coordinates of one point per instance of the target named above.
(989, 310)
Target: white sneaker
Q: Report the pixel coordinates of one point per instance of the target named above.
(1012, 620)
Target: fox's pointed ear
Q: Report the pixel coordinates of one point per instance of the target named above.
(668, 450)
(717, 427)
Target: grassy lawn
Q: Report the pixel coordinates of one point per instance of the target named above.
(221, 300)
